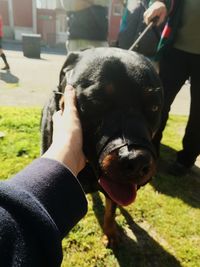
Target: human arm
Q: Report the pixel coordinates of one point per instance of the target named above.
(67, 137)
(41, 204)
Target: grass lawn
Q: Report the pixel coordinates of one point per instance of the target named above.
(161, 229)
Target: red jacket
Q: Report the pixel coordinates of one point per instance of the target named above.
(1, 27)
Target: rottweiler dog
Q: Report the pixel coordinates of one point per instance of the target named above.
(119, 96)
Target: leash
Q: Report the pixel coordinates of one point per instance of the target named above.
(147, 28)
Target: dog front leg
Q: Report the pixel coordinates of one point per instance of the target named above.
(110, 238)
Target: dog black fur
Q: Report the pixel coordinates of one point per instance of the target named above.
(119, 98)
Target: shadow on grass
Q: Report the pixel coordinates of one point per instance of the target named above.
(186, 187)
(140, 251)
(8, 77)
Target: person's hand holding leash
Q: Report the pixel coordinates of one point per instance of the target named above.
(67, 141)
(157, 9)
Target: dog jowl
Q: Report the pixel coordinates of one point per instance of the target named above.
(119, 98)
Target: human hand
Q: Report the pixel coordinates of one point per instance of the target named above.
(157, 9)
(67, 141)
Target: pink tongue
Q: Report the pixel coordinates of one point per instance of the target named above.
(122, 194)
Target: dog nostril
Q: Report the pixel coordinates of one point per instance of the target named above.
(136, 163)
(132, 166)
(144, 170)
(129, 166)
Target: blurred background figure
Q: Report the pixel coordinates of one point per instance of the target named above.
(179, 51)
(88, 23)
(2, 54)
(133, 25)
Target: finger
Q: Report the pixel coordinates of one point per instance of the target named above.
(69, 96)
(57, 115)
(146, 17)
(70, 102)
(149, 16)
(162, 19)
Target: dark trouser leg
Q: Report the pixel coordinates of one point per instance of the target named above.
(191, 142)
(173, 74)
(4, 59)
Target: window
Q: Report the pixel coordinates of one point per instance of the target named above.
(48, 4)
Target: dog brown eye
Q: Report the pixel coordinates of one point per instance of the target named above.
(154, 108)
(109, 89)
(81, 108)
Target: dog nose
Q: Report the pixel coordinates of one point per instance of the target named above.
(136, 162)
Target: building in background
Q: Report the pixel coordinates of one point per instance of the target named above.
(18, 16)
(115, 14)
(48, 18)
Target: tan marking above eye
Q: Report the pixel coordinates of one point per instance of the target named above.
(109, 88)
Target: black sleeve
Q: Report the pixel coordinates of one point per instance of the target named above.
(90, 23)
(38, 207)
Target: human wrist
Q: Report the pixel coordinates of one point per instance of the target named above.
(74, 160)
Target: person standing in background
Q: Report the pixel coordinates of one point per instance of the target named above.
(3, 56)
(87, 23)
(179, 60)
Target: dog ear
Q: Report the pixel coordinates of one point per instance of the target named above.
(69, 63)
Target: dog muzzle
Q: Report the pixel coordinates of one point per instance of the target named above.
(127, 130)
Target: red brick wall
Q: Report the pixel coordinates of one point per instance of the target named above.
(4, 12)
(46, 25)
(115, 20)
(22, 10)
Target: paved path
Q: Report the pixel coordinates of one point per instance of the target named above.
(181, 104)
(29, 81)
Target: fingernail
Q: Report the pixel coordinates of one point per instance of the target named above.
(69, 87)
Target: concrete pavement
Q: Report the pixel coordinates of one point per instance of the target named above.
(29, 81)
(181, 104)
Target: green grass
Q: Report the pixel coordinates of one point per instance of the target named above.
(161, 229)
(21, 143)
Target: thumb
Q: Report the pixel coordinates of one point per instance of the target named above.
(70, 99)
(70, 96)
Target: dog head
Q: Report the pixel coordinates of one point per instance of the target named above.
(119, 99)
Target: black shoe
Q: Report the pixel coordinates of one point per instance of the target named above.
(177, 169)
(7, 67)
